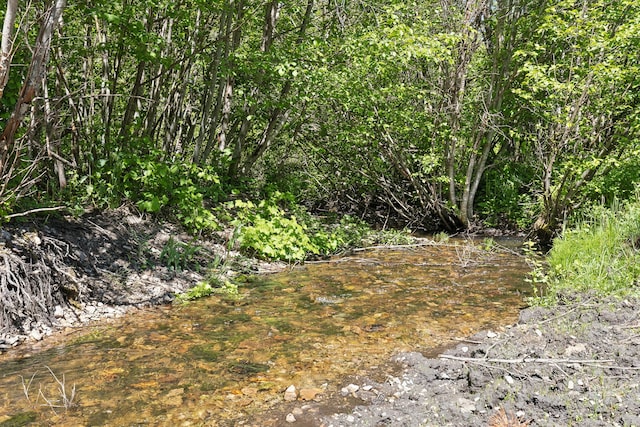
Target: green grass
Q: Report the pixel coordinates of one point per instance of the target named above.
(600, 254)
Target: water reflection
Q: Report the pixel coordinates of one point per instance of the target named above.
(216, 361)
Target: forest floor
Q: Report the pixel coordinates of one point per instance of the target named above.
(577, 363)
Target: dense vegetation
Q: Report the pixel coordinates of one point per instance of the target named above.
(599, 255)
(431, 115)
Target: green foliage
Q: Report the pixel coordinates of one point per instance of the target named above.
(214, 285)
(277, 229)
(180, 189)
(620, 181)
(538, 276)
(600, 254)
(504, 200)
(178, 256)
(266, 230)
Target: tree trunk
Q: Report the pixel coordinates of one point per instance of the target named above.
(7, 43)
(33, 82)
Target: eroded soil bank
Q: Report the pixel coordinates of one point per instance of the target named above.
(577, 364)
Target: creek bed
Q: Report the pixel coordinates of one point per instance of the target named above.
(220, 361)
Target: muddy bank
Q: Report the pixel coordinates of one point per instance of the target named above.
(577, 364)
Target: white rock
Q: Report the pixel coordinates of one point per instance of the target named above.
(58, 312)
(575, 349)
(570, 385)
(351, 418)
(290, 394)
(350, 389)
(291, 418)
(36, 335)
(491, 334)
(509, 379)
(466, 406)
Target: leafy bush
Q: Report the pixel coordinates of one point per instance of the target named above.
(215, 285)
(155, 185)
(266, 230)
(277, 228)
(503, 201)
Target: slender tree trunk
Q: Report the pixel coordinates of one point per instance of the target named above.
(6, 45)
(33, 82)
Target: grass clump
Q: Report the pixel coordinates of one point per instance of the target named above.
(601, 254)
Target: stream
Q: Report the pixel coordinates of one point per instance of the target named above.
(224, 361)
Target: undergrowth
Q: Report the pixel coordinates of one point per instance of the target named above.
(277, 228)
(599, 254)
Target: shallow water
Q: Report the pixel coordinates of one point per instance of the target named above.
(218, 361)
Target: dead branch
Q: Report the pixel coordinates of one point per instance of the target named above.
(32, 211)
(526, 360)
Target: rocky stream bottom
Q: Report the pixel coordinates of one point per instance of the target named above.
(577, 364)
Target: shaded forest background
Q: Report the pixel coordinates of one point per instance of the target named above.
(431, 115)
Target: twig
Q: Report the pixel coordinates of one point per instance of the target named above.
(467, 340)
(413, 245)
(26, 385)
(109, 234)
(526, 360)
(29, 212)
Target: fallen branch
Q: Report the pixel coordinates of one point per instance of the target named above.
(413, 245)
(525, 360)
(29, 212)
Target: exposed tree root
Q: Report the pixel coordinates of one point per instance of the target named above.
(34, 278)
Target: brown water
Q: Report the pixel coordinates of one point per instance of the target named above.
(218, 361)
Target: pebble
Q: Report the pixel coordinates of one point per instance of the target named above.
(466, 406)
(58, 312)
(291, 418)
(350, 389)
(290, 394)
(509, 379)
(491, 334)
(310, 393)
(35, 335)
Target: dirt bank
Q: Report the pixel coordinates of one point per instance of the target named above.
(577, 364)
(64, 272)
